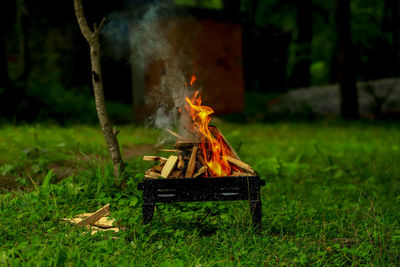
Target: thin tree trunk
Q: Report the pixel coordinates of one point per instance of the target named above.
(346, 78)
(92, 38)
(301, 70)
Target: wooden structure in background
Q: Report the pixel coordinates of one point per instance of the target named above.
(215, 47)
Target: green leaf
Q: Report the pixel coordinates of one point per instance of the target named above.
(47, 179)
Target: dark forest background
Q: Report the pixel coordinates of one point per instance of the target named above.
(45, 66)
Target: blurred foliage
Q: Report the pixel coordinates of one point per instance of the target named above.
(58, 86)
(212, 4)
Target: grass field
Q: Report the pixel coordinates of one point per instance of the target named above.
(332, 197)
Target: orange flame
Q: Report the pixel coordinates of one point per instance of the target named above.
(214, 150)
(193, 79)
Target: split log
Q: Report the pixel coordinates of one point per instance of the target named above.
(216, 132)
(175, 134)
(235, 173)
(151, 175)
(154, 158)
(94, 230)
(241, 165)
(202, 161)
(200, 172)
(169, 166)
(176, 174)
(181, 163)
(157, 168)
(171, 150)
(186, 144)
(104, 222)
(192, 163)
(95, 216)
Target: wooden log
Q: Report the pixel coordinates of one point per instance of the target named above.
(169, 166)
(95, 216)
(235, 173)
(104, 222)
(215, 131)
(192, 163)
(94, 230)
(201, 160)
(181, 162)
(241, 165)
(157, 168)
(175, 134)
(184, 145)
(151, 175)
(155, 158)
(201, 171)
(171, 150)
(175, 174)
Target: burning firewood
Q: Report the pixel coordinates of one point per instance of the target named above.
(192, 163)
(171, 150)
(200, 172)
(208, 155)
(216, 132)
(189, 161)
(241, 165)
(175, 134)
(152, 175)
(183, 145)
(181, 163)
(169, 166)
(154, 158)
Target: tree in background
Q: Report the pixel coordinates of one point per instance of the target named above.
(301, 70)
(346, 78)
(23, 46)
(391, 27)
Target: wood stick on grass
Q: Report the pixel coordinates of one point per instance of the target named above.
(95, 216)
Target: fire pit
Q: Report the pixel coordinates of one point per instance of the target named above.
(204, 167)
(202, 189)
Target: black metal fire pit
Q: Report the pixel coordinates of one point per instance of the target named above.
(201, 189)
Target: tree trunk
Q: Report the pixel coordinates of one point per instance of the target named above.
(232, 7)
(22, 30)
(301, 70)
(7, 90)
(346, 78)
(391, 24)
(4, 77)
(92, 38)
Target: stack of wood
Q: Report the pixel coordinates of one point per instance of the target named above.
(187, 161)
(95, 222)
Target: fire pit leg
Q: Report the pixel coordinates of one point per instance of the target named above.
(255, 208)
(148, 212)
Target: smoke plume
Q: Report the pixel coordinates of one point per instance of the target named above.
(148, 40)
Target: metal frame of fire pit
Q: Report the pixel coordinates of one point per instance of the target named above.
(201, 189)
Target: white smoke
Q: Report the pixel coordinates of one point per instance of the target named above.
(147, 38)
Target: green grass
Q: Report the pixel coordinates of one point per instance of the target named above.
(332, 197)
